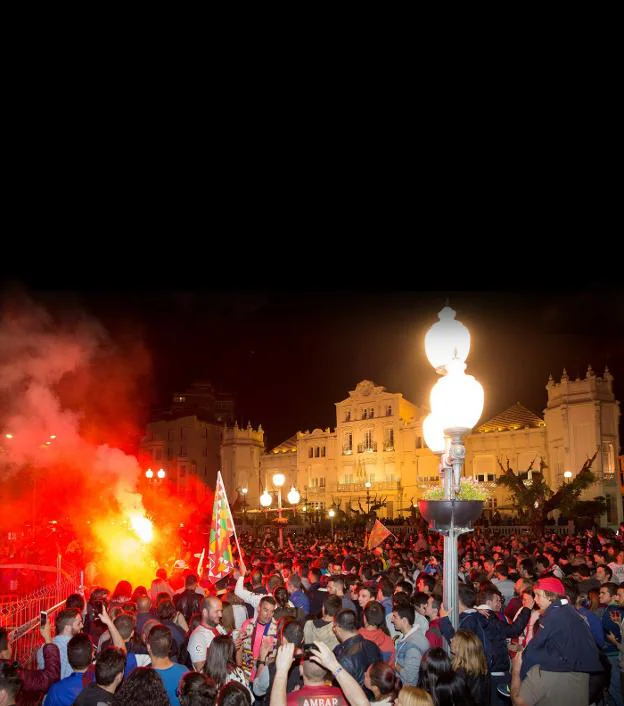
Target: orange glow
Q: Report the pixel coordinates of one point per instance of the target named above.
(142, 527)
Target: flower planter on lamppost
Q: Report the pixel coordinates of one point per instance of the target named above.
(456, 405)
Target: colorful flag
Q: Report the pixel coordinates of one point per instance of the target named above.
(220, 559)
(377, 534)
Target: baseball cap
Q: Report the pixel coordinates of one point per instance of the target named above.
(551, 584)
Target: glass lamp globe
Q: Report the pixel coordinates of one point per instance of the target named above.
(149, 473)
(446, 340)
(161, 473)
(293, 496)
(332, 513)
(266, 499)
(457, 399)
(279, 479)
(434, 434)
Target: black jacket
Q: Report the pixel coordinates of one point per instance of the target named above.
(316, 599)
(497, 632)
(355, 656)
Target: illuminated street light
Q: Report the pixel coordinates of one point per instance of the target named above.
(8, 436)
(456, 402)
(161, 473)
(149, 473)
(266, 499)
(294, 496)
(279, 479)
(244, 491)
(332, 514)
(567, 475)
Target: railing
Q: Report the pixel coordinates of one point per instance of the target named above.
(367, 448)
(21, 616)
(360, 487)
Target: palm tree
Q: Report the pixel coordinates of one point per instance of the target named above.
(534, 497)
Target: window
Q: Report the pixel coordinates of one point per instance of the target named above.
(480, 477)
(364, 414)
(317, 452)
(419, 442)
(348, 478)
(368, 439)
(371, 412)
(321, 482)
(491, 476)
(347, 417)
(388, 410)
(347, 446)
(323, 451)
(608, 458)
(389, 439)
(157, 454)
(310, 452)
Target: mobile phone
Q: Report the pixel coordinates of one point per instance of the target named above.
(43, 618)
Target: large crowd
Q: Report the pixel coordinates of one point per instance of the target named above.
(324, 621)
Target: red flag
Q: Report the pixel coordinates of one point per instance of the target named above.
(377, 534)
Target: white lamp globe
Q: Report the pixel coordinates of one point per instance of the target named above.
(332, 513)
(446, 340)
(279, 479)
(266, 499)
(456, 400)
(434, 434)
(293, 496)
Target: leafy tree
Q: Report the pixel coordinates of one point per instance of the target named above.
(534, 497)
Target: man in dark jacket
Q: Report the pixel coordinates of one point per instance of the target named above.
(557, 661)
(36, 681)
(354, 653)
(496, 634)
(315, 595)
(188, 602)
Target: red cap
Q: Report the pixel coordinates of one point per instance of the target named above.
(551, 584)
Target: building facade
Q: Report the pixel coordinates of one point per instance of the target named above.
(378, 440)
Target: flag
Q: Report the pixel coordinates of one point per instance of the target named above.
(220, 559)
(377, 534)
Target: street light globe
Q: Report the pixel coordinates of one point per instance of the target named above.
(368, 484)
(332, 514)
(149, 473)
(265, 498)
(434, 434)
(294, 496)
(567, 474)
(161, 473)
(244, 490)
(279, 479)
(457, 399)
(448, 339)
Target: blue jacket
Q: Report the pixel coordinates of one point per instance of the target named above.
(609, 626)
(594, 625)
(563, 644)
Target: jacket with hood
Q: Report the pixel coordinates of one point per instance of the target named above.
(383, 641)
(320, 630)
(563, 644)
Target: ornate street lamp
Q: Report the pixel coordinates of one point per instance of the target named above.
(332, 514)
(278, 481)
(456, 404)
(244, 491)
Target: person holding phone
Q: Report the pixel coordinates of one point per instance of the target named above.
(36, 681)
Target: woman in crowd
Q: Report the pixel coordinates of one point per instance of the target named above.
(197, 689)
(143, 687)
(380, 679)
(452, 690)
(233, 694)
(413, 696)
(470, 663)
(282, 609)
(434, 663)
(221, 663)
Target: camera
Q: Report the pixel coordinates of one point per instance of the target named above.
(310, 650)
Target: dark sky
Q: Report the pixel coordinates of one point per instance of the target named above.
(289, 355)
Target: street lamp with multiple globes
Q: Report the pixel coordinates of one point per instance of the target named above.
(368, 485)
(160, 474)
(456, 404)
(278, 481)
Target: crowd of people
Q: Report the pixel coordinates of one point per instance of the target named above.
(325, 621)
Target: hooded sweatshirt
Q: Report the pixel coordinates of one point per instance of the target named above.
(320, 630)
(383, 641)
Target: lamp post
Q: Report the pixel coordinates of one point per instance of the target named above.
(278, 481)
(367, 485)
(265, 501)
(567, 475)
(332, 514)
(244, 491)
(294, 496)
(456, 404)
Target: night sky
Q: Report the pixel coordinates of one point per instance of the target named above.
(289, 355)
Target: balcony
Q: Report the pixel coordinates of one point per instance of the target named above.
(361, 488)
(367, 448)
(389, 446)
(347, 451)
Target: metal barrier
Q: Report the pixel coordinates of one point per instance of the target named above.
(21, 616)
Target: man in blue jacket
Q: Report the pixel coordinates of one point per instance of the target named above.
(556, 663)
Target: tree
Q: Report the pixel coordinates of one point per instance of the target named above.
(534, 497)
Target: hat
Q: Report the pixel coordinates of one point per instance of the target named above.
(551, 584)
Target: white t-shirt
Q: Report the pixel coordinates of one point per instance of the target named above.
(200, 640)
